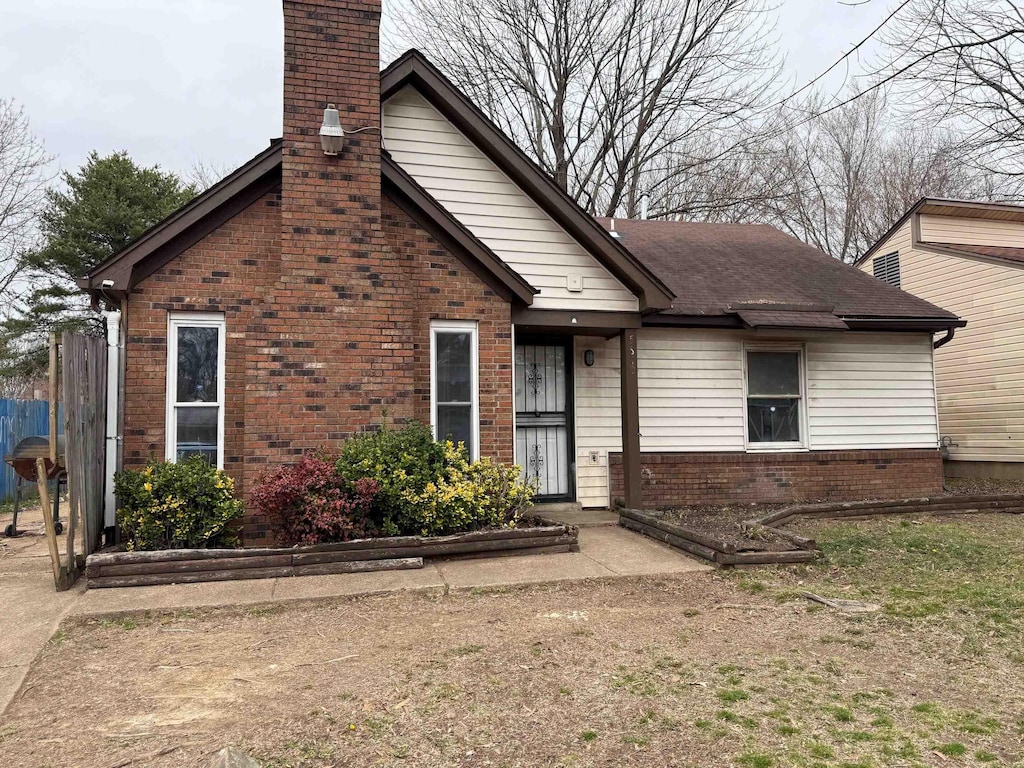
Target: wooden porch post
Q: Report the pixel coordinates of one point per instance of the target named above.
(630, 420)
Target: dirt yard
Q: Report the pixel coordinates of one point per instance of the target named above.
(724, 669)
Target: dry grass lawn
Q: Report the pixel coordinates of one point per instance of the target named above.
(726, 669)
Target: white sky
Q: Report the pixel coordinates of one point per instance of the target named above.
(175, 82)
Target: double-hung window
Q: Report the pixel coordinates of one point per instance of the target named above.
(454, 404)
(195, 387)
(774, 383)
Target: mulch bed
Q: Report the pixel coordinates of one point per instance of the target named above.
(723, 523)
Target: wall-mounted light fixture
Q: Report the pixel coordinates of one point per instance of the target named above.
(588, 357)
(332, 136)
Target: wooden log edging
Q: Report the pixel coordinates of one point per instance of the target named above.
(125, 569)
(938, 505)
(715, 550)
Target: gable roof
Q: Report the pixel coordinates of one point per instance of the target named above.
(997, 252)
(940, 206)
(413, 68)
(207, 211)
(741, 273)
(187, 225)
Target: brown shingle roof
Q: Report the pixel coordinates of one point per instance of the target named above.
(714, 267)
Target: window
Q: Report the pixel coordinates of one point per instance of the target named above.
(453, 383)
(774, 393)
(195, 387)
(887, 268)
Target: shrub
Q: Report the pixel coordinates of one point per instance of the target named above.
(402, 461)
(430, 488)
(467, 496)
(187, 504)
(310, 503)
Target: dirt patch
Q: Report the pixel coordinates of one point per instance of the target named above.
(718, 670)
(723, 523)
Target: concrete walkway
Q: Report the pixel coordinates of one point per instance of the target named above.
(33, 610)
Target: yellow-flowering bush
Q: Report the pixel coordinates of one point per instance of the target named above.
(177, 506)
(468, 495)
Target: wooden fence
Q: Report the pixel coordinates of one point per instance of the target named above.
(84, 379)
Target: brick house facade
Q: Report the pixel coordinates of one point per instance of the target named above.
(327, 279)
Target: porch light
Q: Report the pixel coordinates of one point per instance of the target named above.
(332, 137)
(588, 358)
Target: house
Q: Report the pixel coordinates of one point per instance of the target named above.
(968, 257)
(430, 270)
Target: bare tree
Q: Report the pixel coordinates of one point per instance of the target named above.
(203, 175)
(23, 178)
(961, 60)
(845, 177)
(614, 99)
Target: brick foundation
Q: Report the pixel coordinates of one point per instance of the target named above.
(676, 479)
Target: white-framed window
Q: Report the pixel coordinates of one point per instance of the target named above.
(773, 380)
(195, 386)
(454, 398)
(887, 268)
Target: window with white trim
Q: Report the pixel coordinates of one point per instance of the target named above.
(454, 403)
(887, 268)
(774, 391)
(195, 387)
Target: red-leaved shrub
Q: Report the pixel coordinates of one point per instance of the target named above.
(309, 503)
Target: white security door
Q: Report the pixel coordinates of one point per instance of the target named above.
(543, 447)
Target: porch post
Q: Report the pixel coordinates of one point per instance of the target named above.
(630, 420)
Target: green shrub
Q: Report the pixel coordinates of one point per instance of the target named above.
(182, 505)
(429, 488)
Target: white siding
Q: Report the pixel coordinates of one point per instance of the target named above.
(956, 229)
(691, 390)
(873, 391)
(862, 391)
(598, 426)
(491, 206)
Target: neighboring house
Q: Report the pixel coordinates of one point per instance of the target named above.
(445, 278)
(969, 258)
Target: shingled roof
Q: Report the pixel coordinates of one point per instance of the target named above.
(723, 270)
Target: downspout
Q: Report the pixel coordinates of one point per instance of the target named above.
(945, 339)
(113, 439)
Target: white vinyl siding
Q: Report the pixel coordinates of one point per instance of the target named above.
(956, 229)
(470, 186)
(978, 374)
(871, 391)
(598, 426)
(691, 390)
(862, 391)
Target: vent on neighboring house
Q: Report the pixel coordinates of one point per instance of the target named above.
(887, 268)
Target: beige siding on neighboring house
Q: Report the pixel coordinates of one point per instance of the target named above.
(862, 391)
(954, 229)
(980, 374)
(482, 197)
(872, 391)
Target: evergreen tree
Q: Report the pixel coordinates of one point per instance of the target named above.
(97, 211)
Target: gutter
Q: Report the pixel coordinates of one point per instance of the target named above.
(950, 332)
(112, 440)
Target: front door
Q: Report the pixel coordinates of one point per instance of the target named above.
(543, 425)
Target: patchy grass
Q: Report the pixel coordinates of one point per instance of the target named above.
(717, 670)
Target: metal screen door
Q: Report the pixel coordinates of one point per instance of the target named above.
(543, 446)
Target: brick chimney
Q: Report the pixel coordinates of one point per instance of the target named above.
(336, 304)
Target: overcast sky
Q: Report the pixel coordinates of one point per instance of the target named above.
(176, 82)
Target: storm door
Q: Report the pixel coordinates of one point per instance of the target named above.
(543, 418)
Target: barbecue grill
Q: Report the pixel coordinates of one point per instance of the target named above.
(23, 460)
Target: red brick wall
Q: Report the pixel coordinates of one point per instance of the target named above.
(676, 479)
(233, 270)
